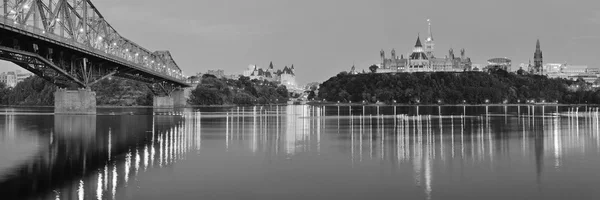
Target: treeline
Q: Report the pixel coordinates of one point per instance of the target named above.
(215, 91)
(32, 91)
(35, 91)
(455, 88)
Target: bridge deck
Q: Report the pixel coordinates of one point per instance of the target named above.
(31, 31)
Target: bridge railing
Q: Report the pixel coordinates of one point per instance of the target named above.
(137, 64)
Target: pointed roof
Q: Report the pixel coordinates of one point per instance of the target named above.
(418, 41)
(537, 44)
(271, 65)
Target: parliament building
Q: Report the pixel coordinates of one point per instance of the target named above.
(423, 59)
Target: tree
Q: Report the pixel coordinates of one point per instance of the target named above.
(373, 68)
(520, 71)
(473, 87)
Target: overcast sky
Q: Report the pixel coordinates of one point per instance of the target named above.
(323, 37)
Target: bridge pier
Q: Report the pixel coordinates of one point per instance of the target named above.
(75, 102)
(177, 98)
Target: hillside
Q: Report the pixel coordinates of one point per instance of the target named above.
(454, 88)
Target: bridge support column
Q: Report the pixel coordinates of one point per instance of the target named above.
(163, 102)
(178, 98)
(77, 102)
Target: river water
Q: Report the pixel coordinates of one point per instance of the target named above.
(302, 152)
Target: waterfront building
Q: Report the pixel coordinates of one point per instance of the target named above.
(499, 63)
(285, 77)
(423, 59)
(538, 59)
(11, 78)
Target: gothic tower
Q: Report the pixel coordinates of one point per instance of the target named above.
(382, 54)
(538, 59)
(429, 44)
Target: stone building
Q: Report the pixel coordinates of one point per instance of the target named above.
(286, 76)
(423, 59)
(11, 78)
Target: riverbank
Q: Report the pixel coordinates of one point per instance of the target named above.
(443, 105)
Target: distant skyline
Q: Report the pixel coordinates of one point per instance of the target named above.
(323, 37)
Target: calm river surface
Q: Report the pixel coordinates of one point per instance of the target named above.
(302, 152)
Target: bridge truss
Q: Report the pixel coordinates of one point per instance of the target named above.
(69, 43)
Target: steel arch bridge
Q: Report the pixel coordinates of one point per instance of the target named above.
(69, 43)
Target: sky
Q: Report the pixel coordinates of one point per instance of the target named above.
(324, 37)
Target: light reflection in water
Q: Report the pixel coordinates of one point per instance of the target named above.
(420, 142)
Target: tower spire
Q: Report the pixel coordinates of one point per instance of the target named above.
(538, 61)
(430, 38)
(429, 44)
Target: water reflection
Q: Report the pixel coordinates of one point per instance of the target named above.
(100, 157)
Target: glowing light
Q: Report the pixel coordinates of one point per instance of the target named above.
(13, 11)
(115, 44)
(58, 19)
(26, 6)
(99, 37)
(127, 50)
(81, 30)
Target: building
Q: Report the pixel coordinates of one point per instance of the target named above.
(423, 59)
(418, 61)
(285, 77)
(538, 59)
(392, 64)
(551, 68)
(593, 70)
(574, 69)
(499, 63)
(572, 72)
(11, 78)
